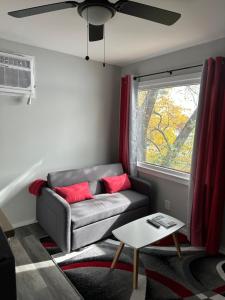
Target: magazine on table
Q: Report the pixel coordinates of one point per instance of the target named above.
(164, 221)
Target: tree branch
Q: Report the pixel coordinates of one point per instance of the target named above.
(180, 140)
(157, 147)
(144, 118)
(164, 136)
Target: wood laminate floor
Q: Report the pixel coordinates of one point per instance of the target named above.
(37, 276)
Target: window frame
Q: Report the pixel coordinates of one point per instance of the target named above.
(160, 171)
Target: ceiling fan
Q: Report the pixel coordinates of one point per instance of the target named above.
(98, 12)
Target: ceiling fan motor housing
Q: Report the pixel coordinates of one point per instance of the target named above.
(96, 12)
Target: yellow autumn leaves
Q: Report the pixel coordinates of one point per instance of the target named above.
(169, 130)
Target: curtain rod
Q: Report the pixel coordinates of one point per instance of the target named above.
(169, 71)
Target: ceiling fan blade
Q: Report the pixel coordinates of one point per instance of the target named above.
(42, 9)
(96, 33)
(147, 12)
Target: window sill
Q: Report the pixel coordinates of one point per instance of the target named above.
(164, 173)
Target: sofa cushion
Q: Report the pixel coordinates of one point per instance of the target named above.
(104, 206)
(92, 175)
(114, 184)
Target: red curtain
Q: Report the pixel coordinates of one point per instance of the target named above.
(209, 171)
(124, 122)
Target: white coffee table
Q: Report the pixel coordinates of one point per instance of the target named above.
(139, 234)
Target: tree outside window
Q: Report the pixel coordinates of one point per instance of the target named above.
(167, 118)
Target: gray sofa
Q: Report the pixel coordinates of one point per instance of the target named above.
(73, 226)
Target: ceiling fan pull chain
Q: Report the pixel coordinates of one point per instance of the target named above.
(87, 57)
(104, 46)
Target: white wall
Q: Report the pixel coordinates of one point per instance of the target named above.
(72, 123)
(177, 193)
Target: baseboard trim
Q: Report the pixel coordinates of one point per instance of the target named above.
(24, 223)
(221, 250)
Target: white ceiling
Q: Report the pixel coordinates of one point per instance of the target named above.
(128, 39)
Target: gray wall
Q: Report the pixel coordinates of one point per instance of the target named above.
(178, 59)
(177, 193)
(72, 123)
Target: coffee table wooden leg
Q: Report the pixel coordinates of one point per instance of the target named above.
(176, 244)
(135, 268)
(117, 255)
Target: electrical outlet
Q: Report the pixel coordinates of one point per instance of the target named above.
(167, 204)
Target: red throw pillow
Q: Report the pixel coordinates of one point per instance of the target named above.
(74, 193)
(115, 184)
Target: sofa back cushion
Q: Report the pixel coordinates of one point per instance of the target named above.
(92, 175)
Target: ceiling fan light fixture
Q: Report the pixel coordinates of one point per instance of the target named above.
(97, 15)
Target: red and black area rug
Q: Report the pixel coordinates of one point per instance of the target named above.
(162, 275)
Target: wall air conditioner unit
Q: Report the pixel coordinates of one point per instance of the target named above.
(17, 75)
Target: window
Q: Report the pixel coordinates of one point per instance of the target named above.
(167, 112)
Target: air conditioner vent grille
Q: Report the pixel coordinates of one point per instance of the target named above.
(17, 74)
(14, 77)
(17, 62)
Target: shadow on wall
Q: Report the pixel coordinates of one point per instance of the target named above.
(13, 100)
(13, 195)
(13, 188)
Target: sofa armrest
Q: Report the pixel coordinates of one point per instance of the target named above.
(54, 215)
(141, 186)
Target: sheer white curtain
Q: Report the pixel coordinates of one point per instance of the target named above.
(133, 127)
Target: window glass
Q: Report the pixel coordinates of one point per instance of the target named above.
(166, 122)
